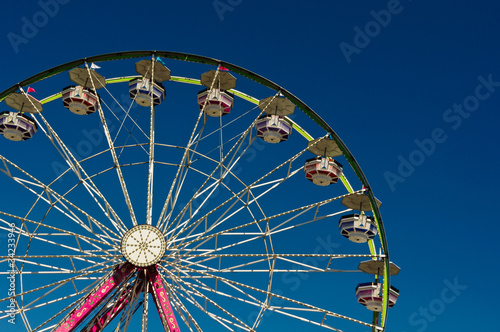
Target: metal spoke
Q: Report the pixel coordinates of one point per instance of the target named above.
(301, 305)
(193, 141)
(149, 208)
(63, 232)
(237, 195)
(202, 237)
(189, 293)
(114, 156)
(60, 202)
(75, 166)
(219, 167)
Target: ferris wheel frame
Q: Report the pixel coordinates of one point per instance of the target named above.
(265, 82)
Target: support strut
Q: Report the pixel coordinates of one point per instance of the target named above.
(96, 296)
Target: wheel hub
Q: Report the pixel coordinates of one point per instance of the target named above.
(143, 245)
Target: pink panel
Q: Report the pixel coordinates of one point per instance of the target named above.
(109, 315)
(95, 298)
(161, 299)
(225, 101)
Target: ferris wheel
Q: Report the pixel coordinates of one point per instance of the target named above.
(150, 189)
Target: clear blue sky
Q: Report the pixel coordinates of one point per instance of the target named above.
(427, 72)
